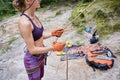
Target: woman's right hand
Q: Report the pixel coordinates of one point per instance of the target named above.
(58, 46)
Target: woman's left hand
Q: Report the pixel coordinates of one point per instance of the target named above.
(58, 46)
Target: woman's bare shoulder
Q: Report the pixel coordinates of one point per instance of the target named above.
(24, 23)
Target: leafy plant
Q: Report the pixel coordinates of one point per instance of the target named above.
(8, 45)
(102, 12)
(84, 1)
(79, 30)
(58, 12)
(80, 42)
(7, 10)
(11, 40)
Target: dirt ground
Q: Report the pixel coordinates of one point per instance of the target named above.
(11, 63)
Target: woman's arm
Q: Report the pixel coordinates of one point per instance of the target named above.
(48, 35)
(26, 28)
(56, 33)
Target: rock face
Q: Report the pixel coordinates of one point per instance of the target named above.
(12, 66)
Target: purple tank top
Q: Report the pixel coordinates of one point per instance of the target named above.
(37, 32)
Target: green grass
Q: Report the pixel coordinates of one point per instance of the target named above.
(11, 40)
(8, 45)
(3, 17)
(102, 12)
(81, 20)
(58, 12)
(80, 42)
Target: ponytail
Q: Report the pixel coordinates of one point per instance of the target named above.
(19, 5)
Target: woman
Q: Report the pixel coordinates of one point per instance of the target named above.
(31, 30)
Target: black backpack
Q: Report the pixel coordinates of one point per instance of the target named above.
(94, 39)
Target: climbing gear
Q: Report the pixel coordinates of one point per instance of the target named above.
(45, 55)
(94, 38)
(73, 52)
(57, 32)
(60, 53)
(58, 46)
(88, 29)
(68, 44)
(67, 26)
(100, 59)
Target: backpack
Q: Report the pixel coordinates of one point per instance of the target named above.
(100, 59)
(94, 38)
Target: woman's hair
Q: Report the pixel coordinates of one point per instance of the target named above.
(19, 4)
